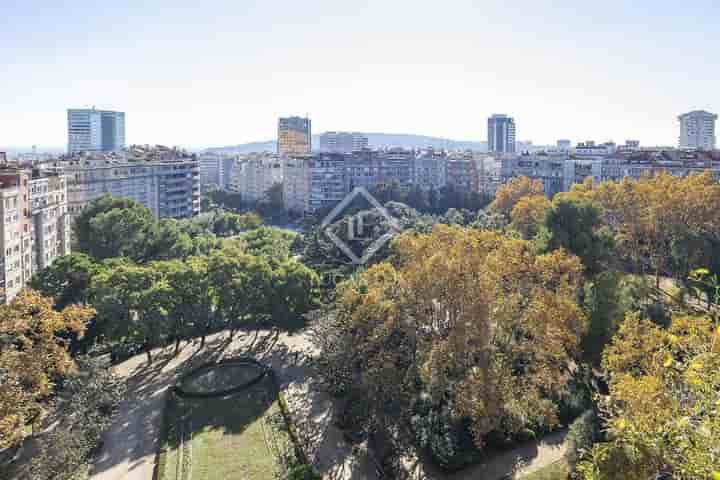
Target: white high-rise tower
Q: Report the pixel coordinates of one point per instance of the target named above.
(697, 130)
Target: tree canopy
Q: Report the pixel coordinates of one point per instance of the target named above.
(465, 315)
(509, 194)
(33, 356)
(662, 411)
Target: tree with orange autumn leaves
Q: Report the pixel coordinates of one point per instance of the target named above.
(509, 194)
(528, 214)
(662, 414)
(650, 217)
(466, 314)
(33, 354)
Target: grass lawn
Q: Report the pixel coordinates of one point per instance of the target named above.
(227, 437)
(554, 471)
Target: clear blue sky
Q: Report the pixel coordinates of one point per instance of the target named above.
(217, 72)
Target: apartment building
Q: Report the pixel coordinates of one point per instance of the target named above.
(216, 169)
(255, 174)
(462, 172)
(591, 149)
(489, 168)
(397, 165)
(558, 171)
(368, 168)
(697, 130)
(50, 225)
(314, 182)
(577, 169)
(165, 180)
(36, 228)
(11, 278)
(679, 163)
(343, 142)
(430, 169)
(549, 168)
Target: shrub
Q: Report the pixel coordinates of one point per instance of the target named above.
(582, 434)
(86, 404)
(448, 441)
(303, 472)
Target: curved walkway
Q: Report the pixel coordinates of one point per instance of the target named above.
(131, 442)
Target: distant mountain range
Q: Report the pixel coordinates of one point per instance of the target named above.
(375, 140)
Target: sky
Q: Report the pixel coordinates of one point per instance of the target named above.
(220, 72)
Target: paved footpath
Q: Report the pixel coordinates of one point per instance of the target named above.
(131, 442)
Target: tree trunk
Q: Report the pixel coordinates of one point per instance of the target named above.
(252, 344)
(149, 355)
(177, 346)
(202, 340)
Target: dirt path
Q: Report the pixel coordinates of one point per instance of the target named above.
(519, 461)
(131, 442)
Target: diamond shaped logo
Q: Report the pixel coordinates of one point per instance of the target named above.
(356, 222)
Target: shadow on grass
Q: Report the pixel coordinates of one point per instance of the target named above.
(228, 435)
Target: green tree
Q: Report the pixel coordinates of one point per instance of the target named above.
(271, 205)
(268, 241)
(605, 309)
(230, 200)
(576, 227)
(133, 302)
(191, 308)
(86, 403)
(166, 240)
(111, 227)
(67, 280)
(242, 287)
(294, 291)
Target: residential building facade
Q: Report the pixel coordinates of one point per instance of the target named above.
(257, 174)
(564, 145)
(314, 182)
(165, 180)
(489, 168)
(216, 169)
(549, 168)
(462, 172)
(697, 130)
(343, 142)
(590, 149)
(35, 229)
(367, 168)
(430, 169)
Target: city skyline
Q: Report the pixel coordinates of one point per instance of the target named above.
(407, 67)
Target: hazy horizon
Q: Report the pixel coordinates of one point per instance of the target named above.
(221, 73)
